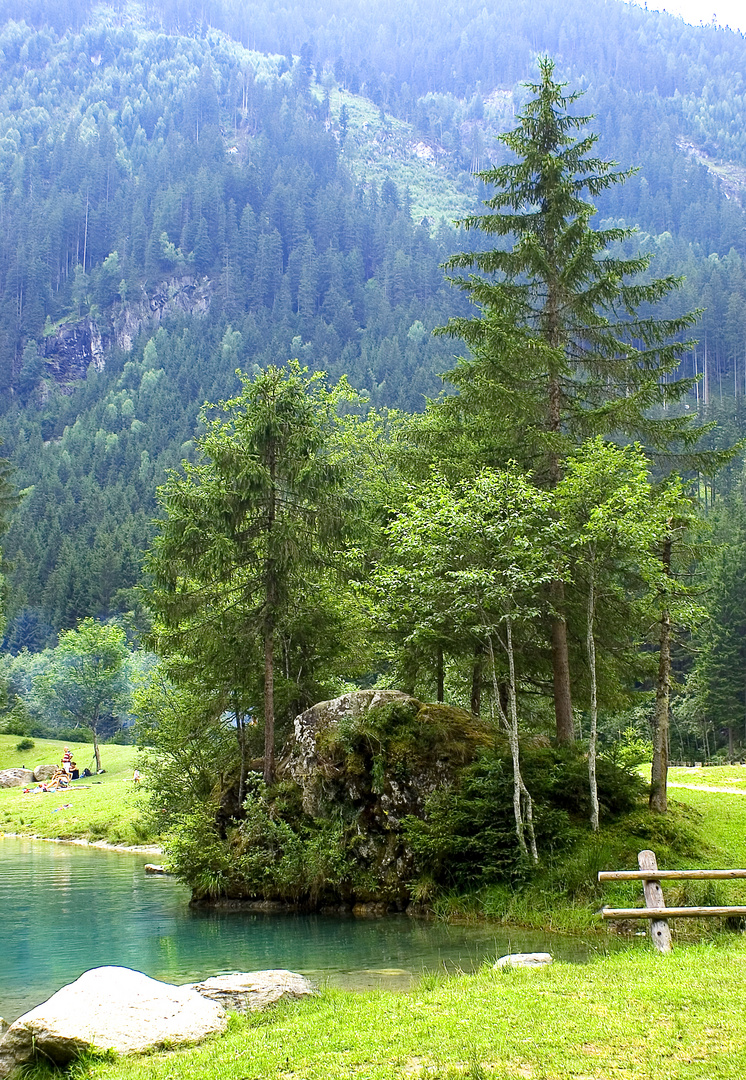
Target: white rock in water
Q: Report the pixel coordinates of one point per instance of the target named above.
(524, 959)
(110, 1008)
(15, 777)
(243, 991)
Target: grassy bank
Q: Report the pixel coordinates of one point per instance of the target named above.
(630, 1015)
(105, 807)
(702, 829)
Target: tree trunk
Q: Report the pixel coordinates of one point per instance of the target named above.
(476, 681)
(659, 772)
(440, 675)
(594, 705)
(521, 797)
(241, 736)
(561, 668)
(270, 597)
(269, 702)
(560, 660)
(96, 750)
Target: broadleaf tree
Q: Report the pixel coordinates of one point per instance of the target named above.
(87, 681)
(470, 561)
(613, 532)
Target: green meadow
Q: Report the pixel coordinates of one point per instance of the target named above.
(106, 807)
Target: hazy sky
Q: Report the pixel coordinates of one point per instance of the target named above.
(728, 12)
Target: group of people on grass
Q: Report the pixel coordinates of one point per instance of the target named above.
(67, 771)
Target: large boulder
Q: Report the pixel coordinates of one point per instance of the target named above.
(15, 777)
(110, 1008)
(373, 758)
(44, 772)
(380, 747)
(254, 990)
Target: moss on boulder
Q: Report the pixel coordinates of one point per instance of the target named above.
(371, 759)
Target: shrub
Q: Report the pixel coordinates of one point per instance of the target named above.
(466, 837)
(25, 744)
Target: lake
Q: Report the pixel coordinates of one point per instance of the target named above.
(64, 909)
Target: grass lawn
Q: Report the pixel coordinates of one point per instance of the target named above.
(713, 775)
(631, 1015)
(105, 807)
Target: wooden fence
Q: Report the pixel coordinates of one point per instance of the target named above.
(655, 908)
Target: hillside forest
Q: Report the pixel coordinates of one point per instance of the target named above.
(316, 377)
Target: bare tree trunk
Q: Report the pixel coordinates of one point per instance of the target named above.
(521, 796)
(241, 735)
(659, 772)
(591, 642)
(96, 750)
(561, 669)
(270, 599)
(565, 727)
(410, 670)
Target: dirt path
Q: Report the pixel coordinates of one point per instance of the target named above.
(708, 787)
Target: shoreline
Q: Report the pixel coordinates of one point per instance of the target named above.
(102, 845)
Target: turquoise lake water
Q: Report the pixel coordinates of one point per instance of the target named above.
(64, 909)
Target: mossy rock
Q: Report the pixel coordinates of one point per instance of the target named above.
(379, 754)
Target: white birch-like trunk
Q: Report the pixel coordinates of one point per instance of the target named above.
(521, 796)
(591, 643)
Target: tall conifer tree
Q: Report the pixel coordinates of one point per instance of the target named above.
(262, 510)
(560, 349)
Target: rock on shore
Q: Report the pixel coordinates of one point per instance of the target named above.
(114, 1008)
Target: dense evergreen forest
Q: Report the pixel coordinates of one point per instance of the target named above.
(187, 189)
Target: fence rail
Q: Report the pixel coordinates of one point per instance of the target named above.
(655, 908)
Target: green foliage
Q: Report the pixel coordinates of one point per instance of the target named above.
(264, 856)
(564, 340)
(86, 681)
(631, 749)
(247, 530)
(466, 837)
(25, 744)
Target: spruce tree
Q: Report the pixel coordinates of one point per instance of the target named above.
(248, 526)
(564, 346)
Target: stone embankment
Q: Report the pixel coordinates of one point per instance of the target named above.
(114, 1008)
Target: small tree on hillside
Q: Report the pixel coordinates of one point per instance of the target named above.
(87, 681)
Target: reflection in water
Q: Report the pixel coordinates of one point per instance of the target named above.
(65, 909)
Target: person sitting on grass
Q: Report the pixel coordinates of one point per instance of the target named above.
(59, 781)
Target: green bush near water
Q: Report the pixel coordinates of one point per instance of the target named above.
(462, 839)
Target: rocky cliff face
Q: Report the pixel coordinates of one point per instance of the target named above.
(76, 346)
(70, 351)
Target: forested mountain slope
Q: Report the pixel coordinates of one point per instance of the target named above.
(191, 188)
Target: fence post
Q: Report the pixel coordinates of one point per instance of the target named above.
(659, 928)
